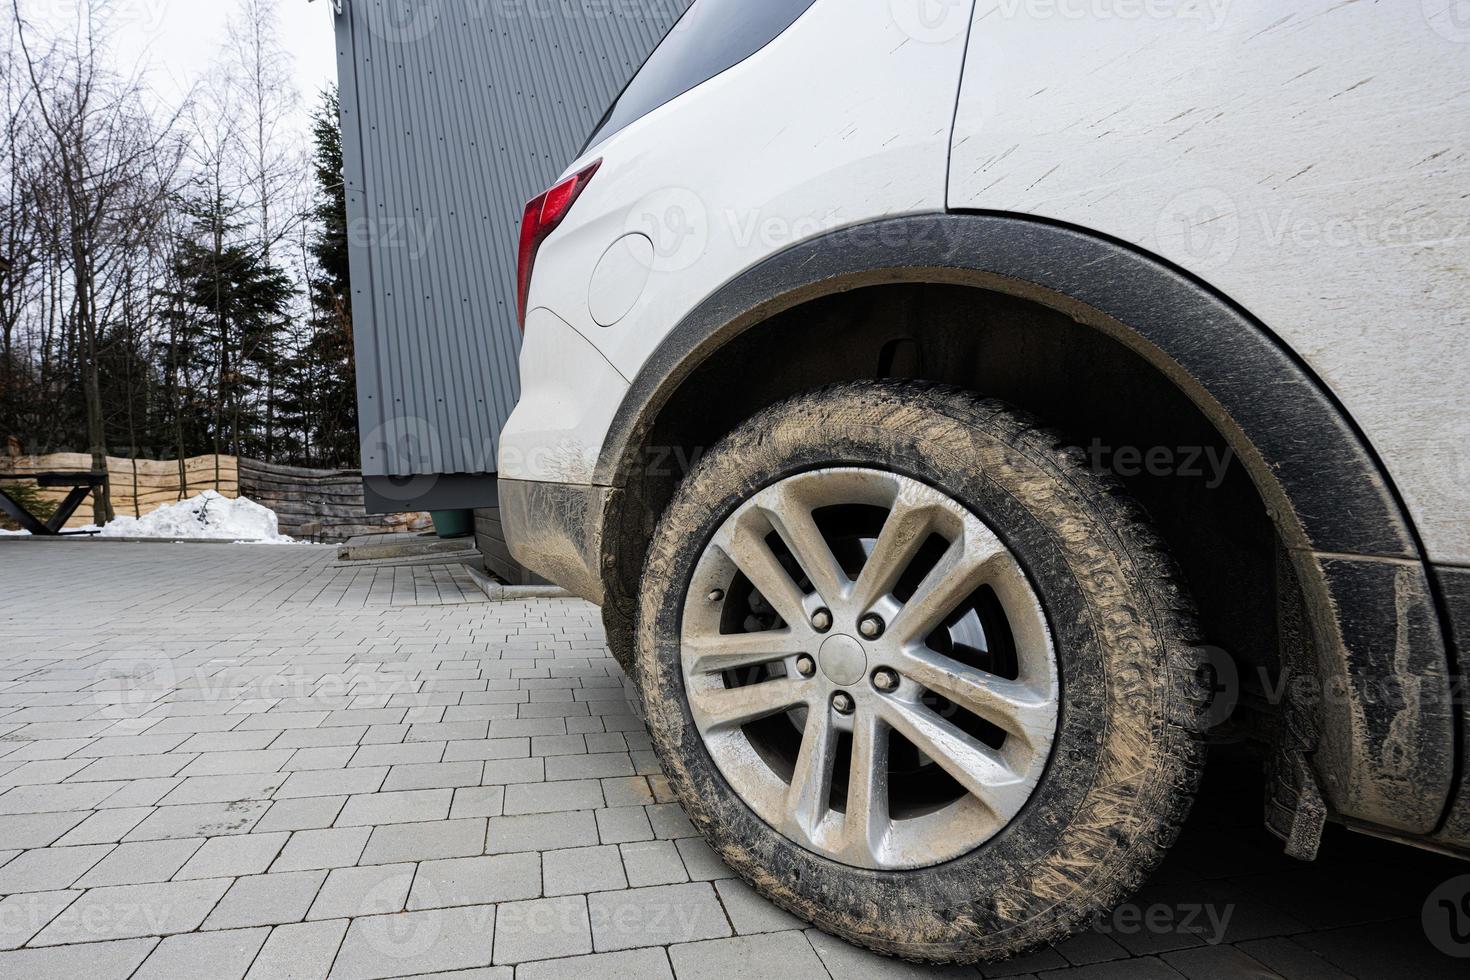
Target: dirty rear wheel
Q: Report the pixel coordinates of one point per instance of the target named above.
(917, 674)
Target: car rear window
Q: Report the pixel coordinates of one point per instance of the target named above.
(712, 36)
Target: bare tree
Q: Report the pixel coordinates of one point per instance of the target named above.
(107, 170)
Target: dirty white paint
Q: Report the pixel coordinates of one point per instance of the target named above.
(843, 119)
(565, 384)
(1309, 159)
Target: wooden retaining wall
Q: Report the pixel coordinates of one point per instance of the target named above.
(324, 505)
(139, 486)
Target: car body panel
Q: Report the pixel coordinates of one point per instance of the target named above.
(842, 119)
(1309, 161)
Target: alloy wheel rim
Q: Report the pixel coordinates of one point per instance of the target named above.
(869, 668)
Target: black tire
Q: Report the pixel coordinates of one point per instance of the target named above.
(1128, 752)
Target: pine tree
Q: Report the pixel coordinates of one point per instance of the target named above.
(327, 381)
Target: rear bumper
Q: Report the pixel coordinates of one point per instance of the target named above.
(555, 530)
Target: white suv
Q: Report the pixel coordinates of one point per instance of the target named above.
(962, 410)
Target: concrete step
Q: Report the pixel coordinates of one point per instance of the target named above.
(372, 546)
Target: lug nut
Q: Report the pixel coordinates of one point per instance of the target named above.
(871, 626)
(842, 703)
(885, 680)
(821, 620)
(805, 666)
(716, 595)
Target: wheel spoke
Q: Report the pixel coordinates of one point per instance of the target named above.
(712, 653)
(1008, 704)
(750, 553)
(962, 570)
(792, 520)
(807, 800)
(731, 707)
(867, 821)
(972, 763)
(903, 534)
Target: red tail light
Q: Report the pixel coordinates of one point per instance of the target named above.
(543, 214)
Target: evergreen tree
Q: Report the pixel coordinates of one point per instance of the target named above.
(326, 376)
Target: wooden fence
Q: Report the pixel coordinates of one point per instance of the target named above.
(319, 504)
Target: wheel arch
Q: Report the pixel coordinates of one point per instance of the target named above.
(1369, 599)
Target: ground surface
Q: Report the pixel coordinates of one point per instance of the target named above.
(288, 767)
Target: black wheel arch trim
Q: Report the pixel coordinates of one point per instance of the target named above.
(1244, 378)
(1323, 485)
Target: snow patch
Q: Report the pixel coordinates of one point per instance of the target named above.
(208, 515)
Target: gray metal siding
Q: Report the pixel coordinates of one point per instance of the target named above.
(455, 113)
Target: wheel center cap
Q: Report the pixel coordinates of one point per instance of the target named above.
(843, 659)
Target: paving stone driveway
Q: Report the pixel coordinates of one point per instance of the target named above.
(228, 761)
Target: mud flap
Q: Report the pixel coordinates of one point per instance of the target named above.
(1295, 810)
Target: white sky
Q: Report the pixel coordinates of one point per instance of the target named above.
(176, 41)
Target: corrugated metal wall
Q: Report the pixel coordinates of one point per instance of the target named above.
(455, 113)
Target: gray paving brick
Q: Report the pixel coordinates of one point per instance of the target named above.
(49, 869)
(217, 955)
(750, 913)
(236, 763)
(541, 929)
(140, 862)
(702, 863)
(22, 916)
(488, 749)
(654, 862)
(437, 940)
(128, 911)
(266, 900)
(844, 960)
(644, 964)
(199, 820)
(342, 782)
(500, 771)
(104, 826)
(478, 801)
(669, 821)
(579, 794)
(589, 766)
(338, 847)
(784, 954)
(535, 832)
(402, 807)
(476, 881)
(37, 829)
(378, 889)
(232, 857)
(433, 775)
(309, 813)
(301, 951)
(425, 841)
(95, 961)
(656, 916)
(582, 869)
(621, 824)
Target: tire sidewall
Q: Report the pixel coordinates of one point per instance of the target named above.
(1039, 875)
